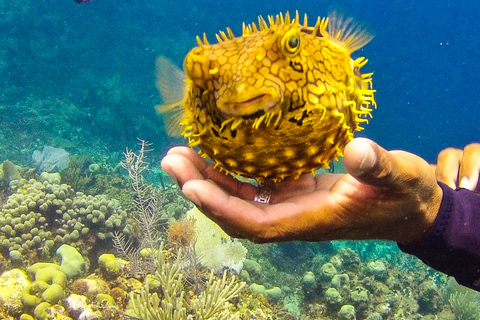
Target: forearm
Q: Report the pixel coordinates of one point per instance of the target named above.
(452, 245)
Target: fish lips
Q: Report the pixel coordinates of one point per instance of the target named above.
(249, 106)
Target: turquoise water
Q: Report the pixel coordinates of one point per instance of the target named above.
(81, 77)
(99, 56)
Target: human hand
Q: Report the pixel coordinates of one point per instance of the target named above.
(460, 168)
(385, 195)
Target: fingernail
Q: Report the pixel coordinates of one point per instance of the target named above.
(368, 159)
(464, 183)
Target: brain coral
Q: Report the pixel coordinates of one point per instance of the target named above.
(40, 216)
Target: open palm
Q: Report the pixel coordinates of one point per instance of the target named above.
(386, 195)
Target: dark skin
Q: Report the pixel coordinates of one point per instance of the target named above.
(390, 195)
(460, 168)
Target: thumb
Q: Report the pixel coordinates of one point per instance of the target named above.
(370, 164)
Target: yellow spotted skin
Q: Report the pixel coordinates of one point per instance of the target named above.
(279, 101)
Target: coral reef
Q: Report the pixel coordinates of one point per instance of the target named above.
(214, 247)
(213, 301)
(40, 216)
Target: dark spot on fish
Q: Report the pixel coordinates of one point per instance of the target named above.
(297, 66)
(215, 132)
(294, 106)
(299, 122)
(257, 114)
(308, 31)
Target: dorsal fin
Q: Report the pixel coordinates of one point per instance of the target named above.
(171, 84)
(347, 32)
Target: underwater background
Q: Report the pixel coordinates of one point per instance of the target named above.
(79, 77)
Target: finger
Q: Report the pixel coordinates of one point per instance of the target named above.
(469, 167)
(180, 168)
(448, 164)
(234, 215)
(369, 163)
(184, 164)
(325, 181)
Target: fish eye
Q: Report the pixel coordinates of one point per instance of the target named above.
(291, 43)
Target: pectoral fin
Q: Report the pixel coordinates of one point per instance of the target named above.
(171, 85)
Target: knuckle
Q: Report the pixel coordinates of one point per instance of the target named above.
(472, 148)
(447, 152)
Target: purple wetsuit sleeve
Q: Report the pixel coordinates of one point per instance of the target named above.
(452, 245)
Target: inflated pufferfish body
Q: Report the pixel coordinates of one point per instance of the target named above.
(279, 101)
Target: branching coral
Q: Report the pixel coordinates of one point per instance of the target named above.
(148, 213)
(464, 305)
(212, 303)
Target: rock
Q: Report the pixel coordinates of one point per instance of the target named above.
(76, 304)
(378, 270)
(90, 287)
(89, 314)
(12, 284)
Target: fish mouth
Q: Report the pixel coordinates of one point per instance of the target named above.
(251, 107)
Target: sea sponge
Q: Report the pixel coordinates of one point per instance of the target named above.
(332, 297)
(257, 288)
(73, 264)
(214, 247)
(109, 264)
(30, 296)
(10, 171)
(105, 298)
(40, 311)
(308, 279)
(347, 312)
(340, 280)
(49, 272)
(252, 267)
(46, 290)
(327, 271)
(275, 293)
(53, 294)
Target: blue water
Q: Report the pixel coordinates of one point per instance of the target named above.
(81, 77)
(424, 57)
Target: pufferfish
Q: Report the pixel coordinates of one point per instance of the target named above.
(277, 102)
